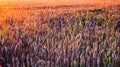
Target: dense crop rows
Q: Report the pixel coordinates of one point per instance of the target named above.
(83, 38)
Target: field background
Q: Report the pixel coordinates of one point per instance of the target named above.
(59, 33)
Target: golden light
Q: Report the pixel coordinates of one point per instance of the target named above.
(62, 2)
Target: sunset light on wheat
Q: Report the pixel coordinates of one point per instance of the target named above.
(59, 33)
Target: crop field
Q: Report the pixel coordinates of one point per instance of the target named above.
(60, 36)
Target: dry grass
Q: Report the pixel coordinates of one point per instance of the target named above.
(59, 38)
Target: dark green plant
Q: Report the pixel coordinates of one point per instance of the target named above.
(79, 26)
(107, 60)
(100, 21)
(48, 32)
(75, 62)
(80, 64)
